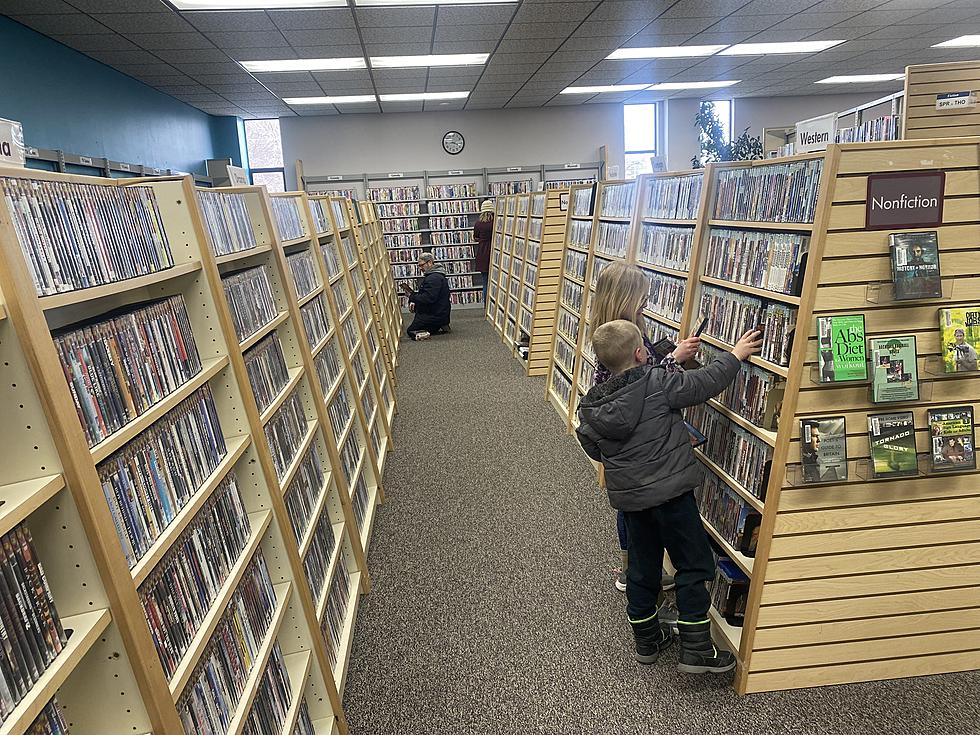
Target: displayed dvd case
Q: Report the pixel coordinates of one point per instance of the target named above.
(915, 265)
(892, 440)
(952, 437)
(960, 335)
(894, 373)
(841, 347)
(823, 449)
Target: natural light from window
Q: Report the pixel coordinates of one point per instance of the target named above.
(640, 136)
(264, 142)
(723, 109)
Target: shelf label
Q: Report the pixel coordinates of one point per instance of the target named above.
(11, 143)
(32, 152)
(816, 133)
(395, 176)
(955, 100)
(899, 200)
(236, 175)
(514, 169)
(84, 160)
(573, 165)
(336, 177)
(125, 167)
(456, 172)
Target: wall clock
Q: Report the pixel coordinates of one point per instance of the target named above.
(452, 142)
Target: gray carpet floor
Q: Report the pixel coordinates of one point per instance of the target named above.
(493, 609)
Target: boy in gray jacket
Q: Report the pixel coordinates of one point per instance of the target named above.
(632, 423)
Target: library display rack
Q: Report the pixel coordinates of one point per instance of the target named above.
(186, 381)
(870, 571)
(535, 267)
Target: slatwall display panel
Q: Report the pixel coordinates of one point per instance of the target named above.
(922, 83)
(549, 266)
(846, 562)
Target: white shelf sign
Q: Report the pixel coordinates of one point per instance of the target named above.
(395, 176)
(11, 143)
(334, 178)
(816, 133)
(125, 167)
(514, 169)
(85, 160)
(955, 100)
(456, 172)
(573, 165)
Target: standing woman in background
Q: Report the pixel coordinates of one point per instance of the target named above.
(483, 233)
(621, 293)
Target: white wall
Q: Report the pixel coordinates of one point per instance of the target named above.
(754, 113)
(375, 143)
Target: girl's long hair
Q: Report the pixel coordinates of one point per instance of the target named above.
(486, 216)
(620, 293)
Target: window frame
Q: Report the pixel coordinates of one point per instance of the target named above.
(649, 152)
(265, 169)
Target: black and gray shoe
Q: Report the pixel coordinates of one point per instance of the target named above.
(651, 639)
(698, 652)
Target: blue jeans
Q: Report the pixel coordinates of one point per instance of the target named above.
(621, 530)
(486, 287)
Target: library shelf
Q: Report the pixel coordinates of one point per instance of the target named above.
(732, 483)
(297, 669)
(574, 279)
(357, 470)
(318, 347)
(770, 366)
(347, 637)
(84, 295)
(259, 522)
(730, 635)
(581, 217)
(337, 277)
(661, 318)
(290, 473)
(612, 218)
(264, 330)
(235, 447)
(222, 260)
(669, 222)
(314, 519)
(345, 432)
(325, 726)
(295, 375)
(663, 269)
(118, 439)
(244, 706)
(744, 563)
(335, 557)
(87, 627)
(303, 300)
(302, 240)
(332, 391)
(369, 519)
(769, 437)
(3, 312)
(760, 292)
(758, 225)
(20, 499)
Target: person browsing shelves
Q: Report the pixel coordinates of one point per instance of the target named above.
(430, 303)
(482, 233)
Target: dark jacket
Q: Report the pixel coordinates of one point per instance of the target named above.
(632, 424)
(482, 233)
(432, 298)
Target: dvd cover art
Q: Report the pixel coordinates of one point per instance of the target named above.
(960, 335)
(823, 449)
(952, 436)
(915, 265)
(895, 375)
(892, 440)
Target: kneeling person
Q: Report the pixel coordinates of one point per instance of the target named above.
(431, 302)
(632, 423)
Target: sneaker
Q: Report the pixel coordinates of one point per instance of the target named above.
(667, 582)
(668, 616)
(419, 336)
(620, 580)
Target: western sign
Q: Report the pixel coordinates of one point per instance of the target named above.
(903, 200)
(816, 133)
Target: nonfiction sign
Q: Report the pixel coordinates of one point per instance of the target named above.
(901, 200)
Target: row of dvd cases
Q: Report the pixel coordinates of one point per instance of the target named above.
(199, 413)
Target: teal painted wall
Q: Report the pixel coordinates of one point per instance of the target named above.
(71, 102)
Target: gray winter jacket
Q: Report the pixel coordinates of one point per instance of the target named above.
(632, 424)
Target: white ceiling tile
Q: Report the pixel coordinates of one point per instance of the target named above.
(97, 42)
(475, 14)
(247, 39)
(322, 37)
(640, 10)
(170, 41)
(144, 22)
(360, 76)
(221, 67)
(490, 32)
(193, 56)
(287, 77)
(252, 20)
(516, 45)
(62, 24)
(464, 47)
(311, 19)
(119, 58)
(395, 17)
(328, 52)
(703, 9)
(402, 106)
(540, 30)
(36, 7)
(600, 43)
(397, 49)
(397, 34)
(552, 12)
(120, 6)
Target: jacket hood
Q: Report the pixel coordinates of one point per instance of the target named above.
(613, 408)
(438, 268)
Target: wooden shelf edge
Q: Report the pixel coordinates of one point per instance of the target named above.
(369, 519)
(20, 499)
(241, 254)
(266, 329)
(732, 483)
(123, 436)
(744, 563)
(770, 366)
(295, 375)
(297, 669)
(762, 293)
(769, 437)
(86, 628)
(80, 296)
(661, 318)
(293, 468)
(321, 603)
(235, 447)
(347, 637)
(260, 522)
(295, 241)
(304, 300)
(664, 269)
(318, 507)
(730, 635)
(244, 706)
(668, 221)
(747, 224)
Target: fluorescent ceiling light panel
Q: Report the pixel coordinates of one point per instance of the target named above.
(861, 78)
(415, 97)
(273, 65)
(664, 52)
(792, 47)
(368, 3)
(960, 42)
(605, 88)
(667, 86)
(348, 100)
(255, 4)
(406, 62)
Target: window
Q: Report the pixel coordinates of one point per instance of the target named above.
(723, 109)
(640, 134)
(264, 142)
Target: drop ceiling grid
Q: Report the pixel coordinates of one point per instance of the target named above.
(536, 47)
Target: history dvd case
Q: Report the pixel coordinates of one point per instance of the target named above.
(894, 373)
(915, 265)
(892, 440)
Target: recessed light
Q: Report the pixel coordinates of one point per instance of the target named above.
(274, 65)
(348, 100)
(960, 42)
(792, 47)
(861, 78)
(664, 52)
(605, 88)
(255, 4)
(405, 62)
(415, 97)
(665, 86)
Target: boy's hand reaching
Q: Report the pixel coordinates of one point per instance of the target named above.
(687, 349)
(749, 344)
